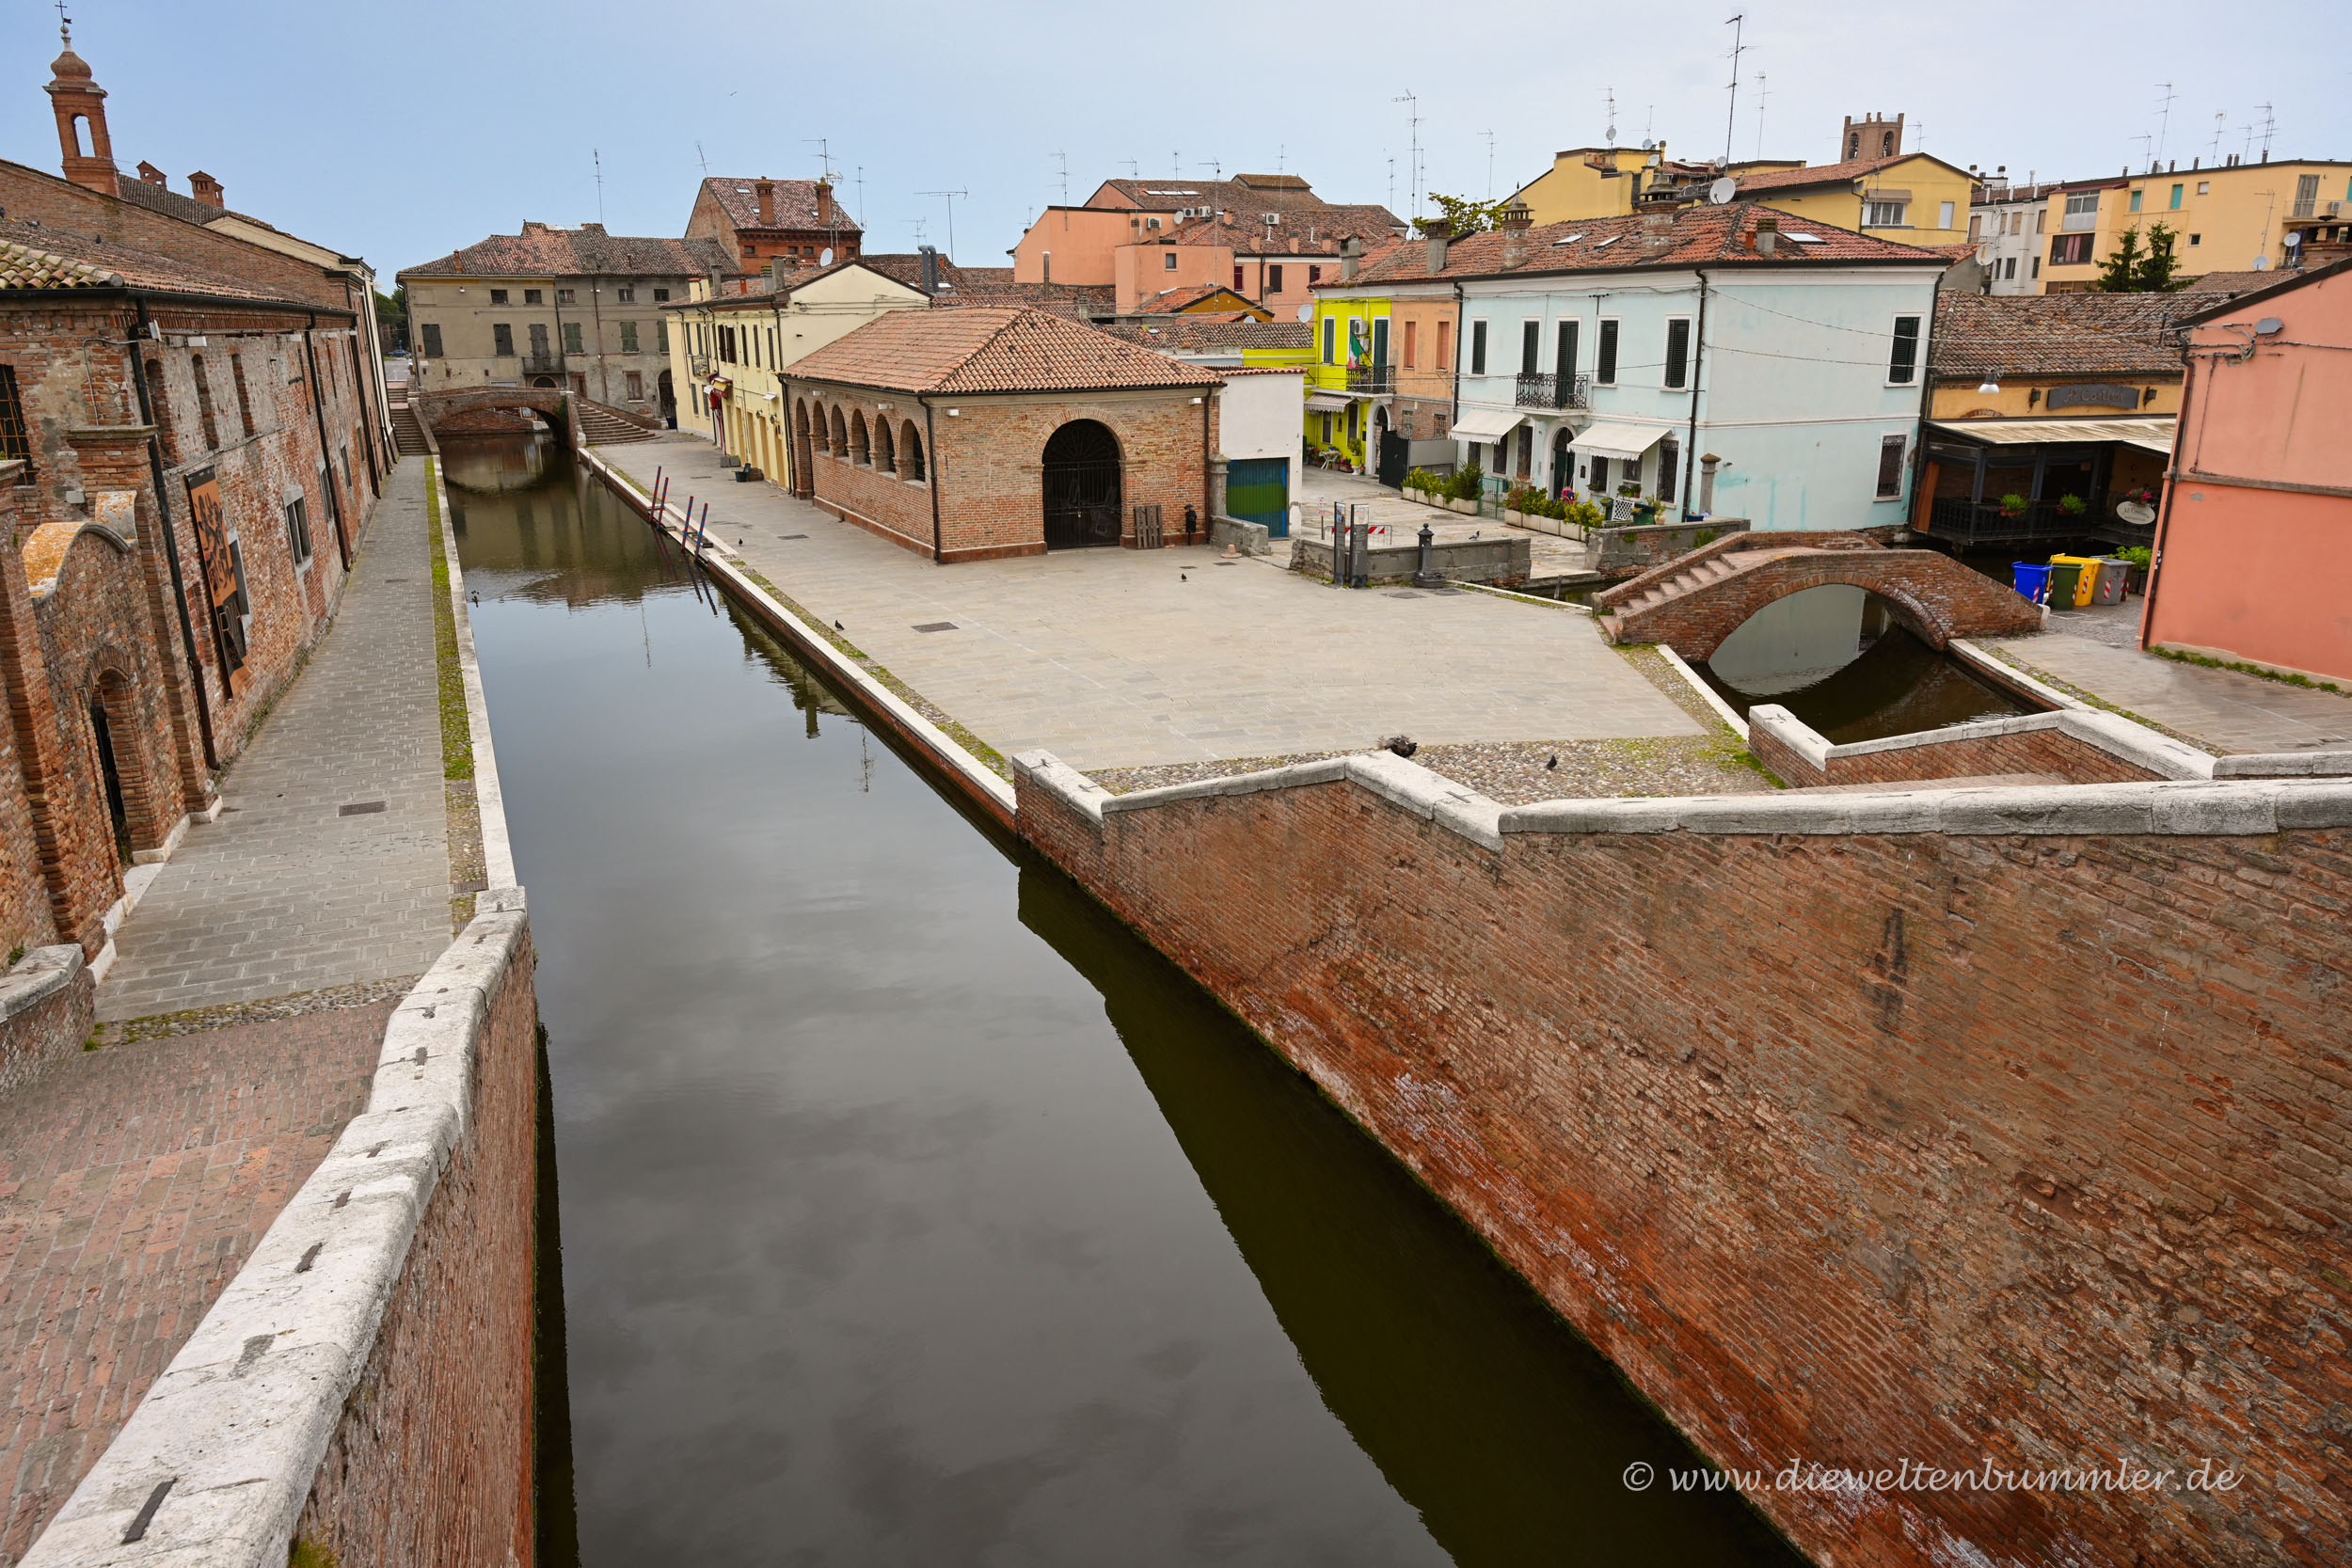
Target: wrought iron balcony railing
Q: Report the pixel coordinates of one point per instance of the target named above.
(1545, 389)
(1371, 378)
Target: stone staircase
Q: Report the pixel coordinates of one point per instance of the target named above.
(601, 426)
(408, 434)
(1688, 580)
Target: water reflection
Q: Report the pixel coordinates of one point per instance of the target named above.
(1837, 657)
(914, 1213)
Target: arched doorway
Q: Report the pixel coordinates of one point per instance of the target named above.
(1083, 498)
(547, 381)
(1563, 466)
(117, 805)
(668, 389)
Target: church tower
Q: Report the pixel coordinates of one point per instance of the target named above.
(80, 103)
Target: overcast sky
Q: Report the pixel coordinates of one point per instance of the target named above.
(398, 131)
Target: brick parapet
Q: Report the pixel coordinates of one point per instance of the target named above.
(1947, 1125)
(383, 1323)
(47, 1002)
(1933, 594)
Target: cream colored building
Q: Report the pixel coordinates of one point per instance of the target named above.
(726, 349)
(567, 308)
(2235, 217)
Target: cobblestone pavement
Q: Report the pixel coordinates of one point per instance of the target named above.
(283, 892)
(1549, 555)
(1122, 659)
(133, 1182)
(2222, 710)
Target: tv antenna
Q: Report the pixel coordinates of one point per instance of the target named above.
(699, 158)
(2271, 124)
(2146, 142)
(2221, 123)
(860, 196)
(1763, 96)
(1391, 180)
(1133, 172)
(917, 224)
(1739, 30)
(1214, 166)
(592, 153)
(1065, 177)
(1176, 165)
(951, 216)
(1413, 119)
(1611, 136)
(2164, 117)
(1491, 164)
(1281, 150)
(824, 156)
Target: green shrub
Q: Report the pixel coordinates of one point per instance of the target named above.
(1525, 497)
(1584, 514)
(1707, 536)
(2135, 554)
(1464, 485)
(2073, 506)
(2013, 505)
(1424, 482)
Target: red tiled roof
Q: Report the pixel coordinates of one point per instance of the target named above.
(1174, 301)
(1686, 237)
(793, 206)
(587, 251)
(1198, 334)
(982, 349)
(34, 256)
(1817, 174)
(1072, 301)
(1316, 232)
(2085, 334)
(979, 277)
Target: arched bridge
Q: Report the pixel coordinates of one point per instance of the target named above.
(552, 403)
(1694, 602)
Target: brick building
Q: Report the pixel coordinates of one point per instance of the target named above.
(190, 447)
(550, 306)
(988, 430)
(758, 221)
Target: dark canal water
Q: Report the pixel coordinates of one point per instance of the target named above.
(913, 1211)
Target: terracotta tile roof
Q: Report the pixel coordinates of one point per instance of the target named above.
(2233, 282)
(1078, 302)
(1316, 232)
(542, 250)
(1196, 334)
(982, 349)
(2086, 334)
(980, 277)
(1715, 235)
(794, 205)
(1169, 302)
(1817, 174)
(34, 256)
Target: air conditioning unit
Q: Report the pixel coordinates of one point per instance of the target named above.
(2335, 209)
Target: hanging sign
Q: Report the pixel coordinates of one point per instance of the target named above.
(224, 599)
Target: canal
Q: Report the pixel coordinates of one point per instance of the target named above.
(913, 1211)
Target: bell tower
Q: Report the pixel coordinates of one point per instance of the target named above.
(80, 103)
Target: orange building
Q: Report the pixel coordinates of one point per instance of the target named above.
(2256, 531)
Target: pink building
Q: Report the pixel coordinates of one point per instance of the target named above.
(2254, 548)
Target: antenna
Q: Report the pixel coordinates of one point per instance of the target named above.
(2145, 140)
(1065, 177)
(917, 224)
(1281, 150)
(1176, 165)
(1413, 118)
(1612, 137)
(1763, 95)
(1491, 164)
(2220, 117)
(1739, 30)
(824, 156)
(860, 196)
(699, 158)
(1214, 166)
(592, 153)
(1392, 181)
(2270, 125)
(951, 216)
(1132, 171)
(2164, 117)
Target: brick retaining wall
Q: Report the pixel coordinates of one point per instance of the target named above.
(47, 1002)
(1944, 1126)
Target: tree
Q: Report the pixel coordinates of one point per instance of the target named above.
(392, 316)
(1466, 216)
(2119, 273)
(2159, 270)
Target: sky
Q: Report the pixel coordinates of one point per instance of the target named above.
(398, 132)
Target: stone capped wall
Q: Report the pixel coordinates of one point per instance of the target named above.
(1934, 596)
(2001, 1125)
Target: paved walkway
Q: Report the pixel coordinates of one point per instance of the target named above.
(285, 892)
(2221, 709)
(133, 1182)
(1123, 659)
(1550, 556)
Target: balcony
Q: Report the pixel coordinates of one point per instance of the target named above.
(1957, 520)
(543, 364)
(1544, 390)
(1371, 378)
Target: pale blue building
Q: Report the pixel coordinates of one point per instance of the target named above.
(1729, 361)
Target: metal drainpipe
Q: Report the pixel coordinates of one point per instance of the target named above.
(318, 411)
(1927, 407)
(1455, 418)
(2172, 480)
(1698, 364)
(595, 314)
(172, 543)
(1208, 486)
(930, 472)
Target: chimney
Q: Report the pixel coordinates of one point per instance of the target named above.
(1351, 252)
(206, 189)
(766, 191)
(149, 174)
(1439, 233)
(824, 204)
(1516, 221)
(1767, 241)
(930, 268)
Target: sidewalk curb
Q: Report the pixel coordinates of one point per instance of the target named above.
(498, 853)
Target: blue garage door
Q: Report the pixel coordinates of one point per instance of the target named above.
(1258, 490)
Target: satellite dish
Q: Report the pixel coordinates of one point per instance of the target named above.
(1647, 144)
(2267, 325)
(2293, 239)
(1306, 312)
(2262, 264)
(1723, 190)
(824, 257)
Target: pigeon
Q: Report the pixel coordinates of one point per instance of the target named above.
(1184, 576)
(1552, 764)
(1403, 744)
(839, 626)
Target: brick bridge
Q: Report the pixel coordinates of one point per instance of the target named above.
(583, 422)
(1696, 601)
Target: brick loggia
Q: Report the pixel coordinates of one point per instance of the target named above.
(1848, 1145)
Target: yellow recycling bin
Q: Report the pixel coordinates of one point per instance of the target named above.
(2087, 582)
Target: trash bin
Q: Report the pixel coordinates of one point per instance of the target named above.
(2113, 573)
(2031, 582)
(2065, 577)
(2085, 581)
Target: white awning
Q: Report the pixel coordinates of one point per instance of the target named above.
(1627, 441)
(1488, 424)
(1326, 403)
(2149, 431)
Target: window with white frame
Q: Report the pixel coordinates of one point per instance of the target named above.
(1902, 358)
(1605, 355)
(1882, 214)
(2082, 212)
(1478, 348)
(1891, 449)
(1944, 219)
(1677, 351)
(1168, 260)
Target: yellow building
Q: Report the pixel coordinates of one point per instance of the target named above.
(1908, 197)
(1350, 378)
(2233, 218)
(1610, 182)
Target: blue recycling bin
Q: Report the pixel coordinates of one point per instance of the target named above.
(2031, 582)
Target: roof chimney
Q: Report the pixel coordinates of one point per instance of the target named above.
(1351, 252)
(766, 191)
(206, 189)
(930, 268)
(824, 204)
(1767, 240)
(1517, 217)
(149, 174)
(1439, 233)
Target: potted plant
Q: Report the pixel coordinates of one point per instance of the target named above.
(2073, 506)
(2013, 505)
(2135, 558)
(2137, 507)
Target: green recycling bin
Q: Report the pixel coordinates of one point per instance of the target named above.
(2065, 576)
